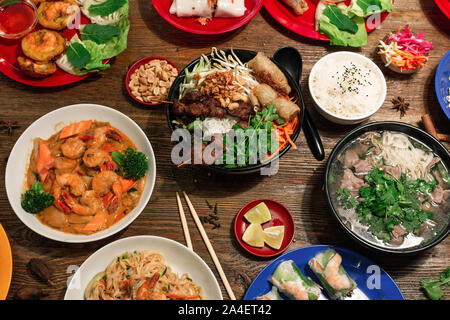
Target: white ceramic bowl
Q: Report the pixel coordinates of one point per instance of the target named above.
(180, 258)
(44, 128)
(351, 56)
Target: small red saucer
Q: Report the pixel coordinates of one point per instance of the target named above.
(280, 216)
(135, 66)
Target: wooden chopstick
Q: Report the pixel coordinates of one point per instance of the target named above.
(187, 236)
(210, 248)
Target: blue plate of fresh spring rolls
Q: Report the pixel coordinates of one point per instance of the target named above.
(321, 273)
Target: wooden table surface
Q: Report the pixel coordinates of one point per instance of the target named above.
(298, 184)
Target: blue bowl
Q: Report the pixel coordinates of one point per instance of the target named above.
(442, 83)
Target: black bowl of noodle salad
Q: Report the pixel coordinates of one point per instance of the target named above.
(236, 91)
(387, 183)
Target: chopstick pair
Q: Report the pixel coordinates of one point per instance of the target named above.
(205, 238)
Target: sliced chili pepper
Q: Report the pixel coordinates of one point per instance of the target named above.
(114, 135)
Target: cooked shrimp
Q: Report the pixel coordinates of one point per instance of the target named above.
(73, 148)
(102, 133)
(56, 15)
(89, 204)
(334, 278)
(73, 181)
(106, 181)
(94, 157)
(43, 45)
(296, 290)
(65, 164)
(146, 290)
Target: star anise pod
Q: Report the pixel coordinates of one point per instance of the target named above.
(401, 105)
(8, 126)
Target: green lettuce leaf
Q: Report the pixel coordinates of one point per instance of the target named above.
(106, 7)
(365, 8)
(117, 44)
(344, 38)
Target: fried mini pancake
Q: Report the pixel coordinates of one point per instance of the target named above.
(43, 45)
(56, 15)
(36, 69)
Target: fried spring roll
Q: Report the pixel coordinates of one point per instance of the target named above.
(293, 283)
(327, 267)
(298, 6)
(286, 109)
(267, 72)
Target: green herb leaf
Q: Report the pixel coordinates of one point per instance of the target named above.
(366, 4)
(78, 55)
(107, 7)
(340, 20)
(431, 288)
(99, 33)
(445, 277)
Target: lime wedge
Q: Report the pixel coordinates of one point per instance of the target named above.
(254, 235)
(274, 236)
(258, 214)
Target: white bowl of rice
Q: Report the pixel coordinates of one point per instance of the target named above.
(347, 88)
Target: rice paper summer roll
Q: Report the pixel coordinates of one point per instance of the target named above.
(327, 266)
(191, 8)
(290, 281)
(271, 295)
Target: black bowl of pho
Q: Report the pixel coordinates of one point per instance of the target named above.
(388, 185)
(238, 112)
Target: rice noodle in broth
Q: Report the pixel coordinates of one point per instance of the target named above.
(391, 190)
(141, 276)
(397, 150)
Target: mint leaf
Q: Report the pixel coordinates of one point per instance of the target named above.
(445, 276)
(106, 8)
(366, 4)
(78, 55)
(99, 33)
(340, 20)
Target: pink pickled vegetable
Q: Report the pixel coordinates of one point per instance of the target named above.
(408, 41)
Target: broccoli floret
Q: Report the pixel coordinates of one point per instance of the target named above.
(134, 164)
(36, 199)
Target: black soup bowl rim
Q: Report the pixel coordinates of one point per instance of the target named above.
(239, 53)
(411, 131)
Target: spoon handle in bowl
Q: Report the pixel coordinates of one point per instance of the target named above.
(312, 137)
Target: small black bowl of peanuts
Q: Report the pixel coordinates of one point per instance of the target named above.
(149, 79)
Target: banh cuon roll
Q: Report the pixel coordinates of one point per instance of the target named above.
(290, 281)
(327, 266)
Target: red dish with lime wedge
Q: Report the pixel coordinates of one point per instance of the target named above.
(281, 216)
(305, 24)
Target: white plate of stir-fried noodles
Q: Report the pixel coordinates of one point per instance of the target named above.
(144, 268)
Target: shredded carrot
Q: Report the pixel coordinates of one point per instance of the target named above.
(181, 296)
(45, 161)
(120, 214)
(96, 222)
(75, 128)
(127, 184)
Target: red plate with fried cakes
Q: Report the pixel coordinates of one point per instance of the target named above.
(10, 49)
(305, 24)
(281, 216)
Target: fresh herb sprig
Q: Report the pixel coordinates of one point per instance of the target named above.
(244, 149)
(432, 287)
(385, 202)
